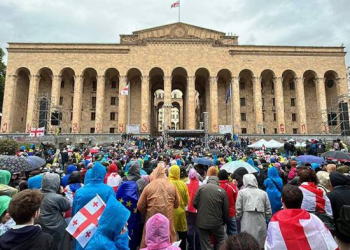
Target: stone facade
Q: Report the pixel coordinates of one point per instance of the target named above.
(275, 89)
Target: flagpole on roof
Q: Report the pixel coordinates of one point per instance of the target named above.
(179, 11)
(129, 103)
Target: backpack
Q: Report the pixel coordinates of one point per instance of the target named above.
(343, 222)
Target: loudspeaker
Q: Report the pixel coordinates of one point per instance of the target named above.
(55, 118)
(344, 118)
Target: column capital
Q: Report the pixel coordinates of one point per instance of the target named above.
(191, 78)
(145, 78)
(319, 79)
(123, 78)
(298, 79)
(213, 79)
(78, 77)
(277, 79)
(57, 77)
(34, 78)
(101, 78)
(257, 79)
(236, 78)
(15, 77)
(167, 78)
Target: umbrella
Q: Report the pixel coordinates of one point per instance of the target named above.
(15, 164)
(185, 150)
(93, 151)
(214, 151)
(232, 166)
(35, 161)
(310, 159)
(337, 155)
(203, 161)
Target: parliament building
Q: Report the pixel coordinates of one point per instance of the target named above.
(175, 72)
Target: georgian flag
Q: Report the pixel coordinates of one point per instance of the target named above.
(297, 229)
(125, 90)
(114, 180)
(176, 4)
(84, 224)
(315, 199)
(37, 132)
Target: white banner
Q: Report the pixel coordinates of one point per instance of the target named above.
(133, 129)
(224, 129)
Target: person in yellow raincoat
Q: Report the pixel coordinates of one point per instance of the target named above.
(180, 220)
(160, 196)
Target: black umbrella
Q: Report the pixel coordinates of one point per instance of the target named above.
(16, 164)
(337, 155)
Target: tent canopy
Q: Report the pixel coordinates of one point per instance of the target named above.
(258, 144)
(274, 144)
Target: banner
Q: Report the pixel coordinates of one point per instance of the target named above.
(225, 129)
(37, 132)
(133, 129)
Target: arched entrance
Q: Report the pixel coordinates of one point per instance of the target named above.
(180, 83)
(290, 107)
(66, 99)
(203, 93)
(313, 119)
(335, 110)
(89, 100)
(43, 105)
(268, 102)
(247, 101)
(156, 80)
(224, 103)
(134, 75)
(111, 100)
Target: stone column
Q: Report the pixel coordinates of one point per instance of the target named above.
(300, 99)
(167, 102)
(145, 104)
(8, 104)
(77, 103)
(191, 103)
(236, 105)
(122, 105)
(322, 103)
(214, 118)
(258, 105)
(100, 105)
(32, 97)
(56, 90)
(278, 83)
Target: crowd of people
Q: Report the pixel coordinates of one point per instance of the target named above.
(162, 197)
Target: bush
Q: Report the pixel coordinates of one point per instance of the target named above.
(8, 147)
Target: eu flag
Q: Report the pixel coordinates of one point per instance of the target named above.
(127, 195)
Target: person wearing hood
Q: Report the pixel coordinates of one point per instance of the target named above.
(6, 221)
(51, 209)
(5, 189)
(112, 178)
(180, 221)
(323, 181)
(293, 172)
(74, 183)
(340, 201)
(111, 234)
(160, 196)
(212, 213)
(134, 175)
(93, 185)
(35, 181)
(212, 171)
(24, 208)
(70, 170)
(158, 234)
(237, 177)
(253, 209)
(274, 185)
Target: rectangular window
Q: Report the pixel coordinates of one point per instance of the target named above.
(113, 84)
(242, 85)
(292, 102)
(274, 117)
(93, 102)
(243, 117)
(242, 102)
(73, 86)
(332, 119)
(113, 100)
(295, 131)
(71, 116)
(72, 101)
(92, 130)
(112, 116)
(93, 116)
(275, 129)
(264, 116)
(294, 117)
(263, 102)
(62, 84)
(273, 102)
(111, 130)
(264, 130)
(244, 130)
(61, 100)
(94, 86)
(291, 85)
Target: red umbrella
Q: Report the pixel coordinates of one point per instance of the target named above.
(93, 151)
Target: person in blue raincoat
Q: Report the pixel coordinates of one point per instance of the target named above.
(274, 185)
(111, 234)
(70, 170)
(94, 186)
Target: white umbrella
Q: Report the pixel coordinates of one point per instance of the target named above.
(232, 166)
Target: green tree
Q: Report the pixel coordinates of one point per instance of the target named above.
(2, 77)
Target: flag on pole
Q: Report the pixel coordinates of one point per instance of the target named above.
(176, 4)
(228, 95)
(37, 132)
(84, 224)
(125, 90)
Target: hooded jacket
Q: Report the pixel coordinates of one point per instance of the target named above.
(94, 186)
(180, 221)
(35, 182)
(158, 234)
(108, 235)
(339, 197)
(212, 205)
(5, 189)
(70, 170)
(160, 196)
(192, 186)
(112, 178)
(51, 209)
(274, 185)
(134, 175)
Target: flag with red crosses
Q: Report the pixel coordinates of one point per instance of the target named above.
(84, 223)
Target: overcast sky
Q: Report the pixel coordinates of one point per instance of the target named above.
(266, 22)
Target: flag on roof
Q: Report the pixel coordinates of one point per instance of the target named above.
(176, 4)
(84, 224)
(125, 90)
